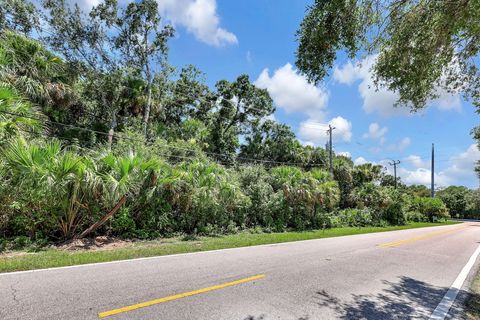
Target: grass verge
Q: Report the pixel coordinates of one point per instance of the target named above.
(60, 258)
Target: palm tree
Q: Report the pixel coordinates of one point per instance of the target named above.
(33, 71)
(16, 115)
(121, 176)
(13, 107)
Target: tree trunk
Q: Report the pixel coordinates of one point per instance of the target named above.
(146, 111)
(110, 138)
(104, 219)
(112, 131)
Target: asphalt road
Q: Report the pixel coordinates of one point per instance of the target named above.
(392, 275)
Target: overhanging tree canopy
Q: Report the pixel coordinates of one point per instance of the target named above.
(423, 46)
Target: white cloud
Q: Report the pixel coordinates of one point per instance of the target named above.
(360, 160)
(416, 170)
(421, 176)
(380, 100)
(344, 153)
(400, 145)
(347, 74)
(460, 170)
(447, 101)
(404, 143)
(293, 93)
(462, 166)
(316, 132)
(416, 161)
(249, 57)
(375, 131)
(86, 5)
(271, 117)
(200, 18)
(307, 143)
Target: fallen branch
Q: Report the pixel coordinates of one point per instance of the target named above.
(104, 219)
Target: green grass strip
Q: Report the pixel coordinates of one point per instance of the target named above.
(60, 258)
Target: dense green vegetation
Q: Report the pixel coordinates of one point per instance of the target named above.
(461, 202)
(99, 135)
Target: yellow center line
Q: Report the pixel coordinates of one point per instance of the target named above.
(422, 237)
(177, 296)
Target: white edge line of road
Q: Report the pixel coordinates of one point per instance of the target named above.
(199, 252)
(441, 311)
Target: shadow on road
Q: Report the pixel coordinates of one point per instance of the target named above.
(406, 299)
(263, 317)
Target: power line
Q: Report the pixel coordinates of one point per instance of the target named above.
(73, 140)
(143, 141)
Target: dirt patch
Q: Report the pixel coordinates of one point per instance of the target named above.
(13, 254)
(98, 243)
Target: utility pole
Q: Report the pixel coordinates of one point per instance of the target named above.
(330, 145)
(394, 164)
(433, 171)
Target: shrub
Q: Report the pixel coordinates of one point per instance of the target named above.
(281, 176)
(371, 196)
(58, 192)
(3, 245)
(254, 183)
(123, 224)
(20, 242)
(394, 210)
(354, 217)
(429, 207)
(415, 216)
(204, 193)
(455, 199)
(473, 208)
(308, 200)
(51, 186)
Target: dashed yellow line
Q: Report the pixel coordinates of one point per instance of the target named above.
(418, 238)
(177, 296)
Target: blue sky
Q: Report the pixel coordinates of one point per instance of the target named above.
(226, 38)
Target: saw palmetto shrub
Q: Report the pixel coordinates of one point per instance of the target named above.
(51, 188)
(307, 196)
(353, 218)
(254, 181)
(197, 198)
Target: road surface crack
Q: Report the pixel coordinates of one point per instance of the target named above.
(14, 293)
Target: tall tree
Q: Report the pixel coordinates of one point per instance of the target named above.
(240, 106)
(456, 199)
(109, 42)
(189, 97)
(271, 141)
(423, 46)
(143, 42)
(86, 41)
(18, 15)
